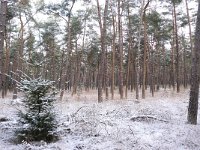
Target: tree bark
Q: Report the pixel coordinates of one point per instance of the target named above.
(194, 89)
(63, 75)
(172, 56)
(113, 58)
(3, 13)
(129, 53)
(145, 50)
(103, 36)
(189, 24)
(177, 49)
(120, 38)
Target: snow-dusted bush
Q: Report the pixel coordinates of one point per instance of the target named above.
(37, 119)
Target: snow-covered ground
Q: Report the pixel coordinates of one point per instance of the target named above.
(157, 123)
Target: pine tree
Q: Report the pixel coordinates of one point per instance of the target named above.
(194, 89)
(37, 119)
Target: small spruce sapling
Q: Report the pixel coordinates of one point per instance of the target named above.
(37, 119)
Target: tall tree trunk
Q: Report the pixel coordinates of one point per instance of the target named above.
(137, 67)
(177, 49)
(151, 68)
(129, 53)
(106, 74)
(184, 63)
(18, 57)
(103, 42)
(6, 68)
(194, 89)
(145, 50)
(113, 57)
(3, 13)
(172, 55)
(53, 63)
(63, 75)
(164, 67)
(76, 71)
(189, 24)
(120, 38)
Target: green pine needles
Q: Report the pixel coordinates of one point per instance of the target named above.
(38, 117)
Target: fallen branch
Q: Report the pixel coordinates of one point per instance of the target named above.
(74, 114)
(147, 118)
(3, 119)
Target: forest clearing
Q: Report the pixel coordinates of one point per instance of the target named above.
(99, 74)
(148, 124)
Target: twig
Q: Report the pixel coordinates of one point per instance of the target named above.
(131, 130)
(74, 114)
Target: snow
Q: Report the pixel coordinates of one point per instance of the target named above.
(150, 124)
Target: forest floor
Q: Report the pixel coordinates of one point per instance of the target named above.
(154, 123)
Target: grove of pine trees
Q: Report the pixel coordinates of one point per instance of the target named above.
(111, 47)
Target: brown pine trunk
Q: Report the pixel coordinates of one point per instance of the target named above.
(172, 56)
(76, 72)
(189, 24)
(6, 68)
(194, 89)
(184, 64)
(177, 50)
(137, 59)
(151, 69)
(120, 38)
(129, 54)
(158, 67)
(145, 50)
(53, 63)
(113, 58)
(63, 75)
(18, 57)
(103, 48)
(3, 13)
(106, 74)
(164, 68)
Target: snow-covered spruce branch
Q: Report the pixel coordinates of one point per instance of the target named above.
(23, 74)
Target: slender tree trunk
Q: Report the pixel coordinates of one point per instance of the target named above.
(103, 36)
(3, 13)
(6, 68)
(172, 56)
(151, 66)
(63, 75)
(128, 71)
(53, 63)
(189, 24)
(76, 71)
(106, 74)
(113, 58)
(158, 66)
(129, 54)
(194, 89)
(145, 50)
(177, 50)
(164, 67)
(184, 63)
(18, 57)
(137, 68)
(120, 38)
(21, 45)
